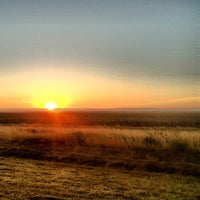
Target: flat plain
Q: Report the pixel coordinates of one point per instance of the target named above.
(100, 155)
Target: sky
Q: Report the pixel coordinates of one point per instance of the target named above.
(99, 54)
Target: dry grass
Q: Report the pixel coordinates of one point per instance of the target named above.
(153, 149)
(91, 155)
(44, 180)
(150, 138)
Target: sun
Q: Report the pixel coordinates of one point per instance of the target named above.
(50, 106)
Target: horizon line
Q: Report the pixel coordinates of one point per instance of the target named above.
(98, 109)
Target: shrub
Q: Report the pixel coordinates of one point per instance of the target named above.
(78, 138)
(179, 146)
(150, 142)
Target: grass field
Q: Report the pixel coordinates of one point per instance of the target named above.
(105, 155)
(39, 180)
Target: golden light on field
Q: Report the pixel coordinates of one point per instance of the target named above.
(51, 106)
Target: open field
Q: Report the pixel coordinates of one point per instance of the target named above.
(100, 155)
(42, 180)
(103, 118)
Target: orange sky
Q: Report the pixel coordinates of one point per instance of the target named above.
(69, 88)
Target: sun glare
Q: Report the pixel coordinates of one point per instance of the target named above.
(51, 106)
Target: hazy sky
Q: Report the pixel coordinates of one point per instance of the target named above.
(92, 53)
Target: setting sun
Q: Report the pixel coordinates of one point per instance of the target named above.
(50, 106)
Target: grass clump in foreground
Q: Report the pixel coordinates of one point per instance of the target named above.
(172, 150)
